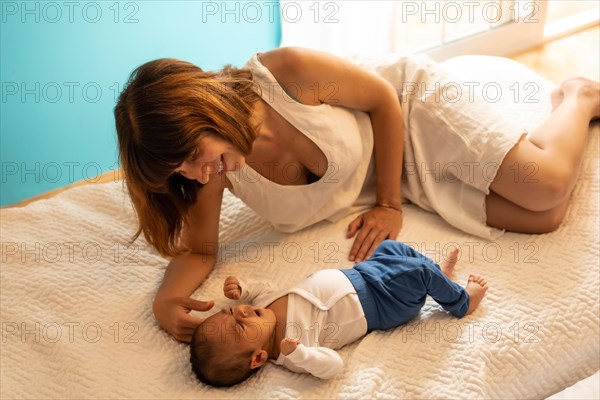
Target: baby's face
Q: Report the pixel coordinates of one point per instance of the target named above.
(243, 327)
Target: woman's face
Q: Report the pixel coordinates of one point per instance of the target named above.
(214, 155)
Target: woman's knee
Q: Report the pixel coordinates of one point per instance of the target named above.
(534, 179)
(505, 215)
(559, 189)
(548, 190)
(550, 220)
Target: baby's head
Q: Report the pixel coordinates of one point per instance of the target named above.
(230, 346)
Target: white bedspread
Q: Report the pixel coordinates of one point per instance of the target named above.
(77, 321)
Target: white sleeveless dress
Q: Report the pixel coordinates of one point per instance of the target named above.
(453, 147)
(346, 138)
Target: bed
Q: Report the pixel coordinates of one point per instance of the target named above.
(76, 299)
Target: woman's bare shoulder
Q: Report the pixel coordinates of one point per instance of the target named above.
(291, 60)
(281, 63)
(315, 74)
(278, 57)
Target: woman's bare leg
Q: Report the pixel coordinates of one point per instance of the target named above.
(503, 214)
(538, 174)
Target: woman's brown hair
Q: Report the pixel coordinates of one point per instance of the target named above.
(167, 105)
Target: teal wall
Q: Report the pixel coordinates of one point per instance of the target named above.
(62, 66)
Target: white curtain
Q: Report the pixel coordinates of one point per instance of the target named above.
(339, 27)
(440, 28)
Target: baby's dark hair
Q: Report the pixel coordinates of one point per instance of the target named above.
(216, 363)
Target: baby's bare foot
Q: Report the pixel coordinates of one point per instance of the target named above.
(448, 263)
(476, 288)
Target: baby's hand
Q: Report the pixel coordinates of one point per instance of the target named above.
(232, 288)
(288, 345)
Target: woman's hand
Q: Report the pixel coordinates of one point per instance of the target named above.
(231, 288)
(375, 226)
(173, 315)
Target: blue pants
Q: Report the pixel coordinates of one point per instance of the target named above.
(393, 283)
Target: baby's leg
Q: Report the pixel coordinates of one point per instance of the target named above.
(397, 249)
(447, 293)
(451, 296)
(476, 285)
(448, 263)
(476, 288)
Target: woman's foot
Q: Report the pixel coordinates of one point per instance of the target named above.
(557, 97)
(476, 288)
(448, 263)
(585, 91)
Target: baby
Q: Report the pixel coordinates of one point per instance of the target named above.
(301, 327)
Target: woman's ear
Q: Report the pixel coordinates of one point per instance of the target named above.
(258, 359)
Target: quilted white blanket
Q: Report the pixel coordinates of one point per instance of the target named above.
(77, 322)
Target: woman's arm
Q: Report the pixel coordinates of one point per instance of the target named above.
(314, 72)
(385, 220)
(184, 274)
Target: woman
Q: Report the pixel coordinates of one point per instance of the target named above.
(302, 136)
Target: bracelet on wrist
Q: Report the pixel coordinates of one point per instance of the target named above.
(388, 206)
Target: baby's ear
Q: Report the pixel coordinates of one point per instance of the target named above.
(259, 358)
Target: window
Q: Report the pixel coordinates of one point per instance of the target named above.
(440, 28)
(498, 28)
(565, 17)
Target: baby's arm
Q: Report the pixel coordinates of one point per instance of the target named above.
(232, 288)
(321, 362)
(251, 292)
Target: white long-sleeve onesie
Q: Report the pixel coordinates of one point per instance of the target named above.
(324, 314)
